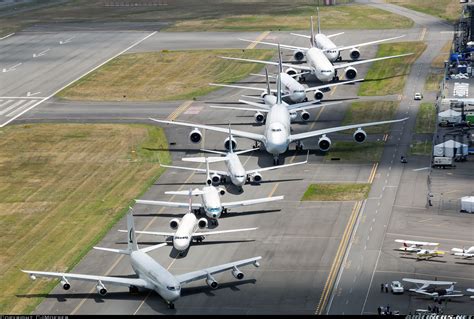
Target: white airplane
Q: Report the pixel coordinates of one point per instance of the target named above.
(151, 275)
(235, 170)
(423, 287)
(470, 290)
(211, 201)
(463, 252)
(317, 62)
(277, 134)
(186, 230)
(331, 50)
(417, 247)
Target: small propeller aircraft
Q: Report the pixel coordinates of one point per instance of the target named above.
(412, 246)
(438, 294)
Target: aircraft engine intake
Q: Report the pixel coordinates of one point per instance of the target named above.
(227, 142)
(298, 55)
(318, 95)
(292, 72)
(66, 285)
(174, 223)
(257, 177)
(237, 273)
(202, 223)
(101, 289)
(259, 117)
(354, 54)
(350, 73)
(324, 143)
(211, 282)
(215, 178)
(305, 116)
(195, 136)
(221, 191)
(360, 135)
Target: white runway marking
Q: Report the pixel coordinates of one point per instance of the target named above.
(420, 169)
(12, 68)
(41, 53)
(7, 36)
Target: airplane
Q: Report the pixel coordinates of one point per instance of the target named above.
(277, 134)
(330, 49)
(235, 170)
(467, 253)
(470, 290)
(317, 62)
(185, 229)
(423, 287)
(151, 275)
(417, 247)
(211, 202)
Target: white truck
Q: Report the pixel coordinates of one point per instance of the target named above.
(442, 161)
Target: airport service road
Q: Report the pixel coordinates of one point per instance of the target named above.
(34, 66)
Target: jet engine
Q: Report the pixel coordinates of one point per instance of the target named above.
(227, 144)
(257, 177)
(324, 143)
(298, 55)
(215, 178)
(259, 117)
(359, 135)
(237, 273)
(202, 223)
(293, 116)
(350, 73)
(195, 136)
(66, 285)
(221, 191)
(211, 282)
(101, 289)
(354, 54)
(174, 223)
(291, 72)
(305, 115)
(318, 95)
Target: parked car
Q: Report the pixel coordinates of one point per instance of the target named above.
(396, 287)
(418, 96)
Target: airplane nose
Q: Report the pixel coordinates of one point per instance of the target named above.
(240, 181)
(181, 244)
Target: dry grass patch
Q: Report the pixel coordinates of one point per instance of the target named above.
(389, 76)
(363, 112)
(445, 9)
(62, 187)
(426, 119)
(421, 148)
(337, 192)
(162, 76)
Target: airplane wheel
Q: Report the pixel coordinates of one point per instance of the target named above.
(171, 305)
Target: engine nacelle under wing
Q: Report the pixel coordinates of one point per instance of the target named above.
(305, 115)
(195, 136)
(318, 95)
(354, 53)
(350, 73)
(237, 274)
(227, 142)
(360, 135)
(101, 289)
(202, 223)
(257, 177)
(174, 223)
(259, 117)
(324, 143)
(298, 55)
(292, 72)
(211, 282)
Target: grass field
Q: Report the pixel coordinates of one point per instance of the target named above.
(426, 118)
(421, 148)
(165, 75)
(445, 9)
(201, 15)
(362, 112)
(389, 76)
(354, 152)
(62, 187)
(297, 18)
(336, 192)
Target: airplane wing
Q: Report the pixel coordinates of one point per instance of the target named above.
(223, 231)
(417, 243)
(252, 201)
(429, 282)
(167, 204)
(315, 88)
(239, 108)
(157, 233)
(200, 170)
(334, 35)
(467, 255)
(347, 64)
(204, 273)
(450, 296)
(104, 279)
(301, 136)
(239, 87)
(309, 37)
(294, 66)
(262, 107)
(422, 292)
(347, 47)
(258, 170)
(252, 136)
(309, 105)
(283, 46)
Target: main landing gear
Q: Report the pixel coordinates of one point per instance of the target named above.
(299, 146)
(276, 160)
(171, 305)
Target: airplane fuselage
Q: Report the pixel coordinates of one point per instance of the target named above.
(296, 91)
(277, 130)
(158, 278)
(327, 46)
(211, 202)
(236, 170)
(320, 65)
(184, 234)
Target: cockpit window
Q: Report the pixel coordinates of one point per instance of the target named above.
(239, 176)
(181, 237)
(173, 288)
(215, 210)
(276, 129)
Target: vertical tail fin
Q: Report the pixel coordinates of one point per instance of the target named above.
(278, 80)
(319, 22)
(312, 33)
(269, 91)
(132, 241)
(190, 200)
(280, 61)
(208, 175)
(231, 149)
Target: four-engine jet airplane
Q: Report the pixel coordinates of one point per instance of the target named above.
(423, 287)
(331, 50)
(211, 201)
(277, 134)
(417, 247)
(463, 252)
(235, 170)
(151, 275)
(186, 229)
(317, 62)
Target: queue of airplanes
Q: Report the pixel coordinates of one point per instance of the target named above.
(417, 247)
(276, 109)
